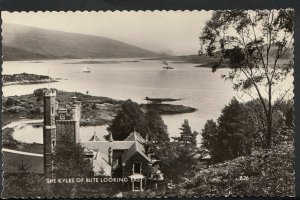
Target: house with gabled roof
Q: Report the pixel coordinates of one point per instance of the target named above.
(121, 159)
(128, 158)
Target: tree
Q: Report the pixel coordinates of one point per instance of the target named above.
(231, 136)
(156, 128)
(69, 158)
(69, 162)
(209, 135)
(130, 117)
(186, 134)
(176, 160)
(256, 46)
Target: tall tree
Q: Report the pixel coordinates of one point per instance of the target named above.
(209, 134)
(186, 134)
(156, 128)
(231, 136)
(256, 46)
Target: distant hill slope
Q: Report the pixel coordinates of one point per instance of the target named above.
(27, 43)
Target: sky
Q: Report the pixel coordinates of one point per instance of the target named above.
(172, 32)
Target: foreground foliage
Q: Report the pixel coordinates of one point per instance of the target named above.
(265, 172)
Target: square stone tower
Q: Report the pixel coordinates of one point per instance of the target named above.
(49, 130)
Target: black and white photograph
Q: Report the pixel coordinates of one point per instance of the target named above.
(148, 103)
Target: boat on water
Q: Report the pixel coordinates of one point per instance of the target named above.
(86, 69)
(166, 65)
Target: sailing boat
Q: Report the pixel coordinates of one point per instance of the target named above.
(166, 65)
(86, 69)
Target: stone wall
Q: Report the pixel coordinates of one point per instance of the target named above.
(66, 127)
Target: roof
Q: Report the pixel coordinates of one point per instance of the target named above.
(101, 163)
(135, 136)
(137, 147)
(103, 146)
(131, 145)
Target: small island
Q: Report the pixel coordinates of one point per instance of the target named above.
(164, 108)
(25, 78)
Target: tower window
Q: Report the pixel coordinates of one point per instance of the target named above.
(53, 143)
(62, 116)
(52, 110)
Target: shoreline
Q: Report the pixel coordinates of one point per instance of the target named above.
(28, 82)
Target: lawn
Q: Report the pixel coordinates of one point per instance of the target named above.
(13, 162)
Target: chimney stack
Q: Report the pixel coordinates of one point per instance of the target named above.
(110, 155)
(110, 137)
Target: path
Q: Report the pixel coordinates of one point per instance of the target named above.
(21, 152)
(22, 122)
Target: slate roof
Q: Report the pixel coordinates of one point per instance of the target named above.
(103, 146)
(137, 147)
(135, 136)
(131, 145)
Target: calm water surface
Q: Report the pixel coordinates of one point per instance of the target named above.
(198, 87)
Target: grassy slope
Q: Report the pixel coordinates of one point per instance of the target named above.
(13, 161)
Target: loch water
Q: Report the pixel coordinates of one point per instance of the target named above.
(132, 79)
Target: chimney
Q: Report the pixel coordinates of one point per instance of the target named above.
(147, 138)
(110, 155)
(110, 137)
(146, 145)
(147, 149)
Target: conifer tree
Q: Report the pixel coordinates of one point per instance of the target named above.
(186, 134)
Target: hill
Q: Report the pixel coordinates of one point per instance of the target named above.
(28, 43)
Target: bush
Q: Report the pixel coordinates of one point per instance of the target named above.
(11, 102)
(94, 106)
(35, 111)
(39, 92)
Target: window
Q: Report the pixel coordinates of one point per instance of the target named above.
(62, 116)
(137, 168)
(52, 110)
(136, 186)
